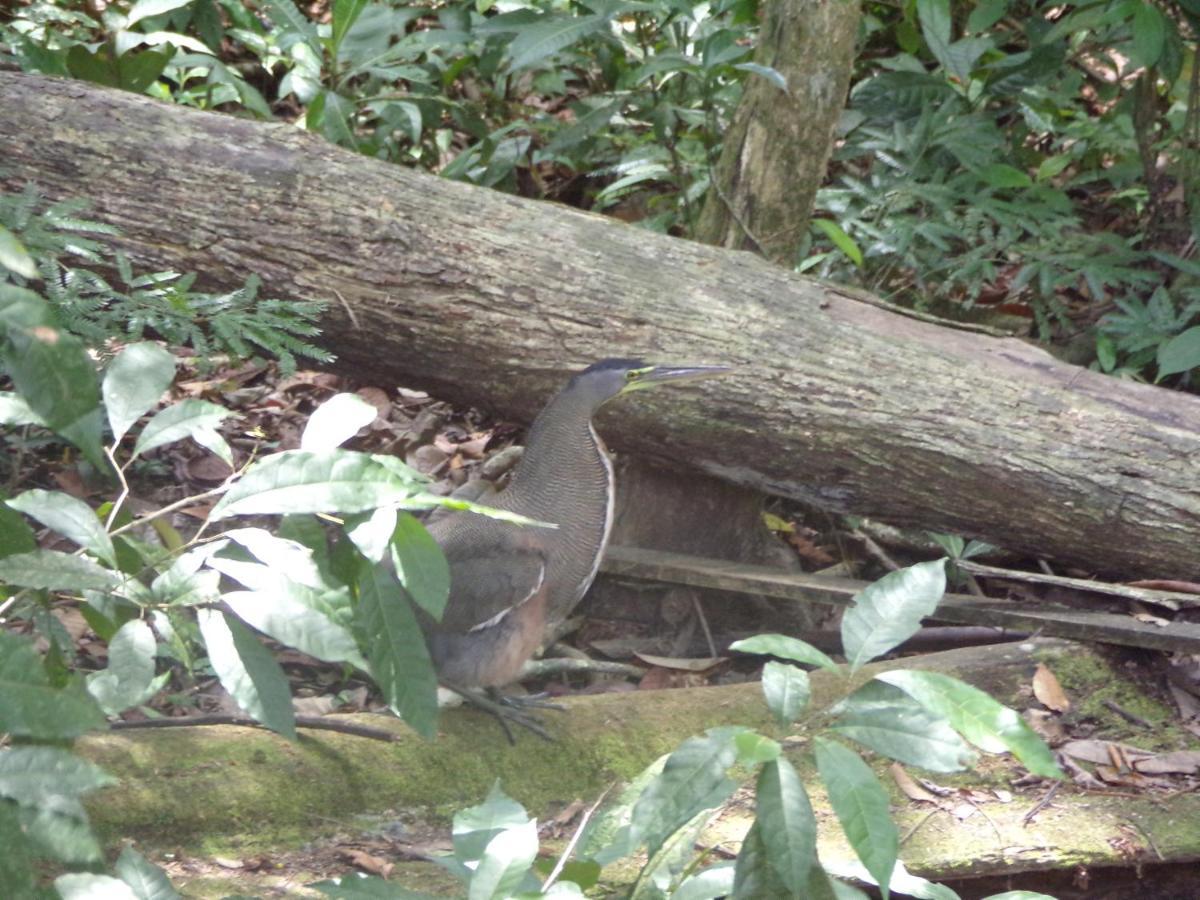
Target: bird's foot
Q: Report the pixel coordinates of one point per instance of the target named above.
(526, 701)
(507, 709)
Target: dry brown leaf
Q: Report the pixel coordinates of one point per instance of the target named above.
(368, 863)
(208, 468)
(1183, 762)
(474, 448)
(1048, 691)
(1047, 724)
(1105, 752)
(378, 398)
(911, 789)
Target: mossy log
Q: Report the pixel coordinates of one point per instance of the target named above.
(236, 791)
(489, 298)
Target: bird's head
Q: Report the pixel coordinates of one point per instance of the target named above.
(610, 378)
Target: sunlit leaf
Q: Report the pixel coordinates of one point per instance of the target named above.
(784, 647)
(786, 689)
(248, 671)
(56, 571)
(134, 382)
(336, 421)
(70, 517)
(129, 677)
(787, 827)
(552, 33)
(889, 612)
(861, 805)
(197, 419)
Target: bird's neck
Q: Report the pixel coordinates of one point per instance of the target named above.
(564, 459)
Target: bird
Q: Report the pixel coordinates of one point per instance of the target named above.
(507, 581)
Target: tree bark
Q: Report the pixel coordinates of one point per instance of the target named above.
(774, 154)
(485, 297)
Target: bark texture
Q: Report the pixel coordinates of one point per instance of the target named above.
(484, 297)
(774, 153)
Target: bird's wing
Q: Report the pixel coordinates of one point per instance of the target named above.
(489, 577)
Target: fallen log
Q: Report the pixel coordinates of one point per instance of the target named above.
(484, 297)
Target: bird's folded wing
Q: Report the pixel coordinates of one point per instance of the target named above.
(486, 582)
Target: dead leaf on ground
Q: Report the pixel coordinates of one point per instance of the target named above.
(1047, 724)
(1103, 752)
(1181, 762)
(374, 864)
(208, 468)
(313, 706)
(911, 789)
(1048, 691)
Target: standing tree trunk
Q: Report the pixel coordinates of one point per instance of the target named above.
(774, 154)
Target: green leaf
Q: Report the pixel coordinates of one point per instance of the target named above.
(977, 717)
(332, 481)
(134, 382)
(508, 858)
(787, 690)
(861, 805)
(550, 34)
(292, 22)
(887, 720)
(772, 75)
(15, 411)
(291, 622)
(345, 14)
(14, 256)
(754, 877)
(148, 881)
(84, 886)
(785, 648)
(936, 24)
(15, 534)
(70, 517)
(145, 9)
(56, 571)
(788, 829)
(51, 371)
(889, 612)
(34, 776)
(291, 560)
(420, 565)
(693, 778)
(1002, 175)
(475, 827)
(1180, 354)
(709, 884)
(903, 882)
(129, 677)
(399, 659)
(197, 419)
(372, 532)
(336, 421)
(64, 836)
(840, 239)
(248, 671)
(754, 748)
(16, 861)
(986, 14)
(1149, 33)
(29, 707)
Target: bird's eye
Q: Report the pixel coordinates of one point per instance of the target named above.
(635, 374)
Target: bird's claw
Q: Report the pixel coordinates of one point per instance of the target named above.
(507, 709)
(526, 701)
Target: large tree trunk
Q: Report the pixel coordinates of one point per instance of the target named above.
(774, 154)
(835, 401)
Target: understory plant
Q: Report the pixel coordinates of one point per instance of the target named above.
(920, 718)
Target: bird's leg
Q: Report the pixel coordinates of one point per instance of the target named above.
(503, 710)
(525, 701)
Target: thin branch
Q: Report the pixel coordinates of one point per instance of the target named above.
(316, 723)
(570, 848)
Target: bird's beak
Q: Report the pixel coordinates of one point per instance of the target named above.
(661, 374)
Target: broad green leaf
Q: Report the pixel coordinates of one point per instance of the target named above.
(840, 239)
(15, 534)
(986, 14)
(14, 256)
(345, 14)
(550, 34)
(1149, 33)
(787, 690)
(754, 877)
(474, 827)
(903, 882)
(29, 707)
(51, 371)
(420, 565)
(507, 859)
(772, 75)
(133, 383)
(693, 778)
(331, 600)
(1002, 175)
(754, 748)
(197, 419)
(56, 571)
(129, 677)
(708, 884)
(977, 717)
(672, 857)
(1180, 354)
(291, 622)
(785, 648)
(291, 21)
(184, 583)
(85, 886)
(399, 659)
(61, 835)
(15, 411)
(281, 557)
(148, 881)
(336, 421)
(36, 775)
(248, 671)
(936, 24)
(372, 532)
(861, 805)
(788, 829)
(16, 861)
(332, 481)
(887, 720)
(70, 517)
(144, 9)
(889, 612)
